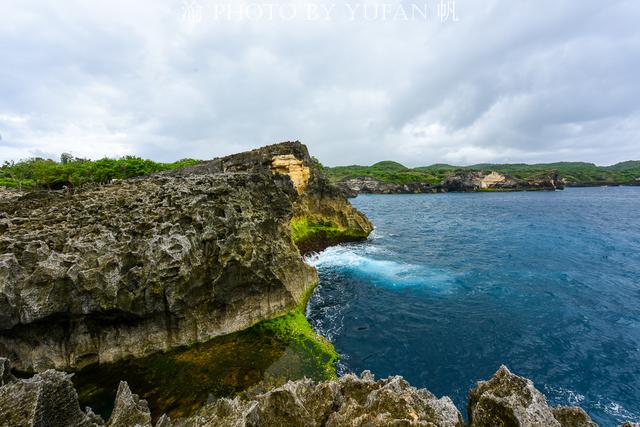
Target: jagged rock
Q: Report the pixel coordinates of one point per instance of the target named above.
(348, 401)
(505, 400)
(571, 416)
(461, 181)
(628, 424)
(164, 421)
(474, 181)
(312, 195)
(157, 262)
(351, 187)
(46, 399)
(509, 400)
(129, 410)
(5, 372)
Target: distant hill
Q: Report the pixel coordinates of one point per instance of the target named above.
(575, 173)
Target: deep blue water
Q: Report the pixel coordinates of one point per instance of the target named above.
(451, 286)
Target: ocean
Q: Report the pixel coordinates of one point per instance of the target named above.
(450, 286)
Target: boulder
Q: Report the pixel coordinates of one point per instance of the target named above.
(509, 400)
(571, 416)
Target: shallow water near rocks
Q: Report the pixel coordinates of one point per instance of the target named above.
(450, 286)
(181, 381)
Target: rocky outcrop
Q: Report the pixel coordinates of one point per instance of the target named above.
(462, 181)
(509, 400)
(505, 400)
(158, 262)
(46, 399)
(129, 409)
(351, 187)
(478, 181)
(348, 401)
(315, 200)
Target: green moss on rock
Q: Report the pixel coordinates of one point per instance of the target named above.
(316, 233)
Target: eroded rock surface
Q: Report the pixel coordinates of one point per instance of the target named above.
(153, 263)
(129, 409)
(476, 181)
(465, 181)
(349, 401)
(505, 400)
(509, 400)
(46, 399)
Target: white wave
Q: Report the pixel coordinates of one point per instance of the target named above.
(573, 398)
(381, 271)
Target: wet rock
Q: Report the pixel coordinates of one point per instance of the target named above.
(509, 400)
(46, 399)
(129, 410)
(572, 417)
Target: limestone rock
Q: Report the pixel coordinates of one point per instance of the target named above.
(509, 400)
(129, 410)
(351, 187)
(5, 372)
(569, 416)
(294, 168)
(474, 181)
(505, 400)
(348, 401)
(153, 263)
(461, 181)
(46, 399)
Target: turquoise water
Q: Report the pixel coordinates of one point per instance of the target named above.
(450, 286)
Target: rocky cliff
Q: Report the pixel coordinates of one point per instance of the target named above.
(152, 263)
(465, 181)
(505, 400)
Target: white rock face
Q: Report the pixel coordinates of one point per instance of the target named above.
(491, 180)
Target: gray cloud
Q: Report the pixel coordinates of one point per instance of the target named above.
(510, 81)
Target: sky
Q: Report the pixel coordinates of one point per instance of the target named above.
(419, 82)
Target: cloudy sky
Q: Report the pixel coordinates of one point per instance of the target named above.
(420, 82)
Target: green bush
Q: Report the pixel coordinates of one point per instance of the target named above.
(74, 172)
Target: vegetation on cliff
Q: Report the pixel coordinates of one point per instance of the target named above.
(314, 233)
(575, 173)
(73, 172)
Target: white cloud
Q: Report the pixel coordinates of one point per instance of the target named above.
(511, 81)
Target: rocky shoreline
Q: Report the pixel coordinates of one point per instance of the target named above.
(146, 265)
(49, 399)
(163, 261)
(466, 181)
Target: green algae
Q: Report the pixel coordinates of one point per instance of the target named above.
(180, 381)
(316, 233)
